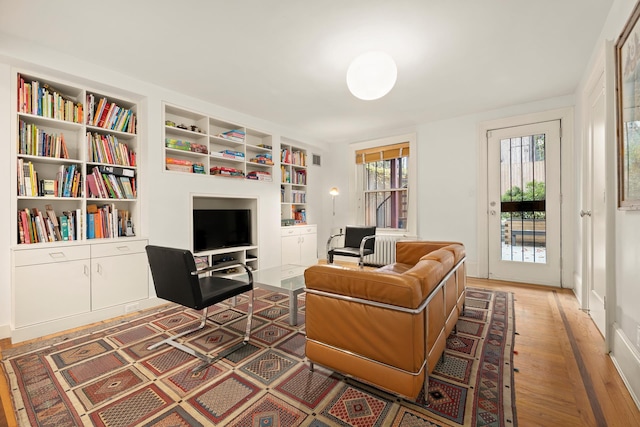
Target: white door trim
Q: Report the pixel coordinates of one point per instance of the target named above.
(565, 115)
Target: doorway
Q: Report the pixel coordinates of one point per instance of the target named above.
(524, 203)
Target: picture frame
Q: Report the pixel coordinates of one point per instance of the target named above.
(627, 69)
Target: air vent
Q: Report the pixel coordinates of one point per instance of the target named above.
(316, 159)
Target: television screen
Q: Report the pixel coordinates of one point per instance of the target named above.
(218, 228)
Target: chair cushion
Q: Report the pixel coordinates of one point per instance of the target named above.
(217, 289)
(349, 251)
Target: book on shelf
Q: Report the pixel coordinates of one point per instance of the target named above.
(109, 115)
(51, 214)
(41, 99)
(34, 141)
(107, 149)
(236, 135)
(259, 176)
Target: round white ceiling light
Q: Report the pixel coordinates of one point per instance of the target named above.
(371, 75)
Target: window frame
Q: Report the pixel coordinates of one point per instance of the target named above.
(356, 182)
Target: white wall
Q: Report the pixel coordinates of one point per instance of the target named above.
(447, 175)
(165, 197)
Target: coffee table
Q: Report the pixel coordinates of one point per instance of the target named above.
(287, 278)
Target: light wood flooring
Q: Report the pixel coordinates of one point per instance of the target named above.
(564, 377)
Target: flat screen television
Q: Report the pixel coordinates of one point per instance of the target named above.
(221, 228)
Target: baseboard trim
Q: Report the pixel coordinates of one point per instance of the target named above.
(627, 361)
(39, 330)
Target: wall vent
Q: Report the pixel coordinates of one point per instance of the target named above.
(315, 159)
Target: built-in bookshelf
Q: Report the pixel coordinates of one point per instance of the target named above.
(293, 183)
(76, 166)
(198, 144)
(77, 256)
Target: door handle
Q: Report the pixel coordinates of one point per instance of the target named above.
(492, 212)
(583, 213)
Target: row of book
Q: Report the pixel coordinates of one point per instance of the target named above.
(107, 221)
(43, 100)
(107, 149)
(34, 226)
(34, 141)
(297, 158)
(109, 115)
(66, 184)
(298, 196)
(111, 182)
(297, 177)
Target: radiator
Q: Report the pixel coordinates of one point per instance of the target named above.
(385, 249)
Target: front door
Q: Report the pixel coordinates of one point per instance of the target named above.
(524, 203)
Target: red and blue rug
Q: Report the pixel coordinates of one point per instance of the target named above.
(105, 375)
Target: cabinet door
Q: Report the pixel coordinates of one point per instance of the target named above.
(51, 291)
(118, 279)
(291, 249)
(309, 249)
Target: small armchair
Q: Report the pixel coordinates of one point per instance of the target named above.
(176, 279)
(359, 241)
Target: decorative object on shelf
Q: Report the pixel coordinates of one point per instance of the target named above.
(627, 83)
(371, 75)
(334, 192)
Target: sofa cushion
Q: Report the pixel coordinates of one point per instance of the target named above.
(403, 290)
(443, 256)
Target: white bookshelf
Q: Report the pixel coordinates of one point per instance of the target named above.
(293, 183)
(199, 144)
(70, 277)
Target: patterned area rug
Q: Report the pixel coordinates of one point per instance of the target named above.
(105, 375)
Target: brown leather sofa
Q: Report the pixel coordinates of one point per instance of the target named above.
(387, 327)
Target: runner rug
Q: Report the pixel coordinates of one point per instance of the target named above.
(105, 375)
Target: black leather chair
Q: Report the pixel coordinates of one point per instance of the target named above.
(177, 279)
(359, 241)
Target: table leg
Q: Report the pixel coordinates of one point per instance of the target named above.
(293, 308)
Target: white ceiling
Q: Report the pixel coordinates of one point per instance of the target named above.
(285, 60)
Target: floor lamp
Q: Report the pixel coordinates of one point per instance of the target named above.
(334, 192)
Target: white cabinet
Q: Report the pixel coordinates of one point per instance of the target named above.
(50, 284)
(299, 245)
(67, 285)
(118, 274)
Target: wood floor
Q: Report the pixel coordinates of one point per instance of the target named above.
(563, 376)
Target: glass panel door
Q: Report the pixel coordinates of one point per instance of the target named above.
(524, 203)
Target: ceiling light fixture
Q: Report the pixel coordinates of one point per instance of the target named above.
(371, 75)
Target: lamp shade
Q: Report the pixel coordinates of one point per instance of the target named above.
(371, 75)
(334, 191)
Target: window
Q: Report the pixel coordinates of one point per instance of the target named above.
(385, 185)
